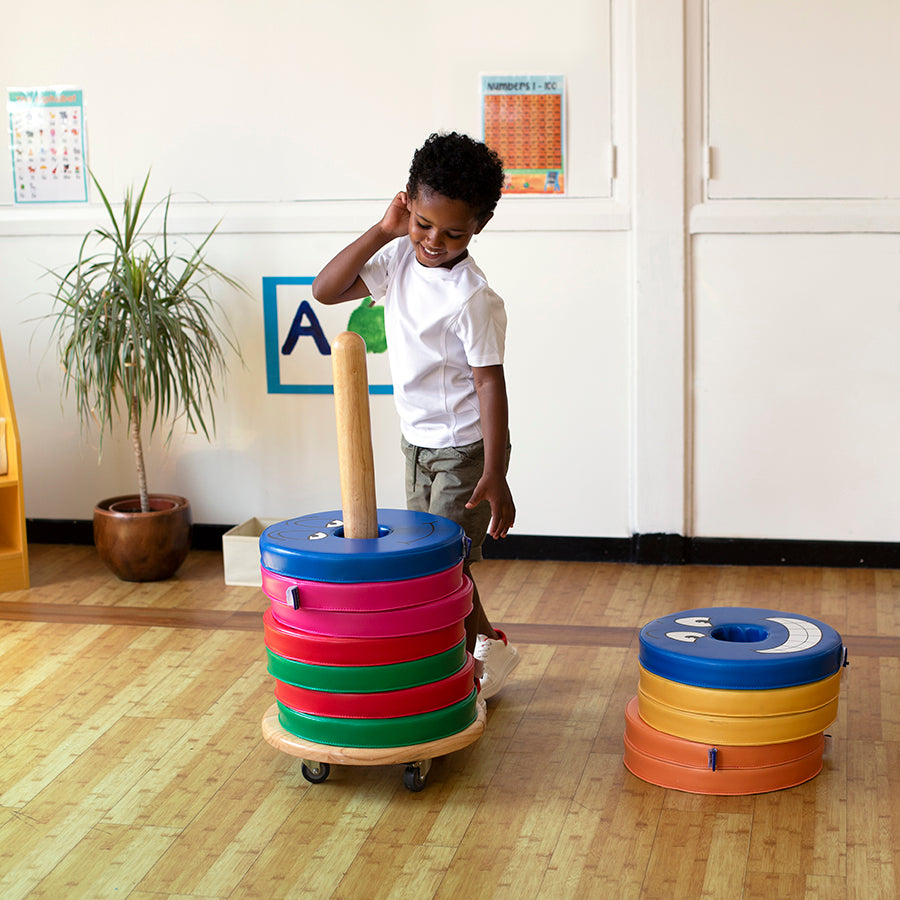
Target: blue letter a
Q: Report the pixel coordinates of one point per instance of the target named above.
(314, 329)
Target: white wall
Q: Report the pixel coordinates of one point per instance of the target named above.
(685, 356)
(797, 380)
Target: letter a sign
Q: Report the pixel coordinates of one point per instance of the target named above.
(299, 332)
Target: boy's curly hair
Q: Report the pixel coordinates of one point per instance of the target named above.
(460, 168)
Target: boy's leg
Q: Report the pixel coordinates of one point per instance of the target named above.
(441, 482)
(477, 621)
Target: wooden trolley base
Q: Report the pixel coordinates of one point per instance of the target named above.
(317, 758)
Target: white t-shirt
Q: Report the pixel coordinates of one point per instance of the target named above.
(439, 324)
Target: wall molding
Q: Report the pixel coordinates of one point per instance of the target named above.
(515, 214)
(799, 216)
(675, 549)
(642, 549)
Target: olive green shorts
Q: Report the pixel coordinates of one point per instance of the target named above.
(442, 481)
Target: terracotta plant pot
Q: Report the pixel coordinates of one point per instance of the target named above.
(138, 546)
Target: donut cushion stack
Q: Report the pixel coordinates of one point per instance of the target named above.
(733, 700)
(365, 638)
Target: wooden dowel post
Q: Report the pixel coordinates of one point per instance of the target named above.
(354, 436)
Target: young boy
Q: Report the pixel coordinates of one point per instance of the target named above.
(446, 334)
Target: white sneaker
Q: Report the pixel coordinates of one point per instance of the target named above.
(499, 658)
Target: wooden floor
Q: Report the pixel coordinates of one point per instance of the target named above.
(132, 762)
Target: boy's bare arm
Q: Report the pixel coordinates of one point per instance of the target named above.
(490, 384)
(340, 279)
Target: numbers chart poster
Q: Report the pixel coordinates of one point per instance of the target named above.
(524, 121)
(46, 130)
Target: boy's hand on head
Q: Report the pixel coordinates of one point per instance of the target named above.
(395, 221)
(503, 511)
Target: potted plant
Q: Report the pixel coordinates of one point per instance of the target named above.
(140, 341)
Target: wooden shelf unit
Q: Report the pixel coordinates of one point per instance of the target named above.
(13, 543)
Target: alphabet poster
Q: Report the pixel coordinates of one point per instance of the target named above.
(46, 131)
(299, 332)
(524, 121)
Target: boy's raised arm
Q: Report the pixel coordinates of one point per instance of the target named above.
(340, 279)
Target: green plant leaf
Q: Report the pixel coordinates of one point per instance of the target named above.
(140, 335)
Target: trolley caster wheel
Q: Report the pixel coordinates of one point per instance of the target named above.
(416, 775)
(315, 772)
